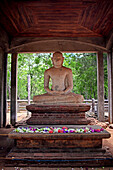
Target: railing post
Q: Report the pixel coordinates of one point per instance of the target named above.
(18, 110)
(93, 105)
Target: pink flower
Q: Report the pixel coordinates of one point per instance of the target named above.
(101, 129)
(92, 130)
(71, 131)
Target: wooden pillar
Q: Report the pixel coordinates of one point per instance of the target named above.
(5, 91)
(1, 85)
(110, 85)
(3, 88)
(14, 89)
(100, 85)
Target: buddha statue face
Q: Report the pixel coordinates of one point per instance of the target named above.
(57, 59)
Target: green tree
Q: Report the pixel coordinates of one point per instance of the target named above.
(9, 77)
(83, 65)
(84, 70)
(33, 65)
(105, 76)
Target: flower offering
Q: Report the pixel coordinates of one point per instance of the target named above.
(57, 130)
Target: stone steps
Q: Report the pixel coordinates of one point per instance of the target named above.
(32, 157)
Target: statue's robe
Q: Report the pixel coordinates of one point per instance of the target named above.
(70, 98)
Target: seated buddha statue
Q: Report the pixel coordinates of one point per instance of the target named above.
(62, 84)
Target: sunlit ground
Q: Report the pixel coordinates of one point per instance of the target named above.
(20, 116)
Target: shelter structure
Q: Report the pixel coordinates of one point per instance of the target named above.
(48, 26)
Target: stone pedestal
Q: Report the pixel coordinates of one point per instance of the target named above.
(59, 149)
(60, 140)
(58, 114)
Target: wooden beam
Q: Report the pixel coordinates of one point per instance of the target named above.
(54, 44)
(100, 85)
(1, 85)
(77, 44)
(109, 41)
(14, 89)
(95, 41)
(5, 91)
(110, 84)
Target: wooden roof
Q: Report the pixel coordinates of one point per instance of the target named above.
(57, 19)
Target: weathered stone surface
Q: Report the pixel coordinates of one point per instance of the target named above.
(70, 108)
(78, 157)
(58, 114)
(46, 98)
(59, 150)
(94, 121)
(58, 143)
(64, 120)
(59, 99)
(68, 140)
(62, 84)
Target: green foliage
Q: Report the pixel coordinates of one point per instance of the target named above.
(105, 77)
(33, 65)
(9, 77)
(83, 65)
(84, 70)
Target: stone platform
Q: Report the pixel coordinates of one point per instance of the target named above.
(59, 149)
(58, 114)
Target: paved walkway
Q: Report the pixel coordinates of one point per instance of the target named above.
(109, 142)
